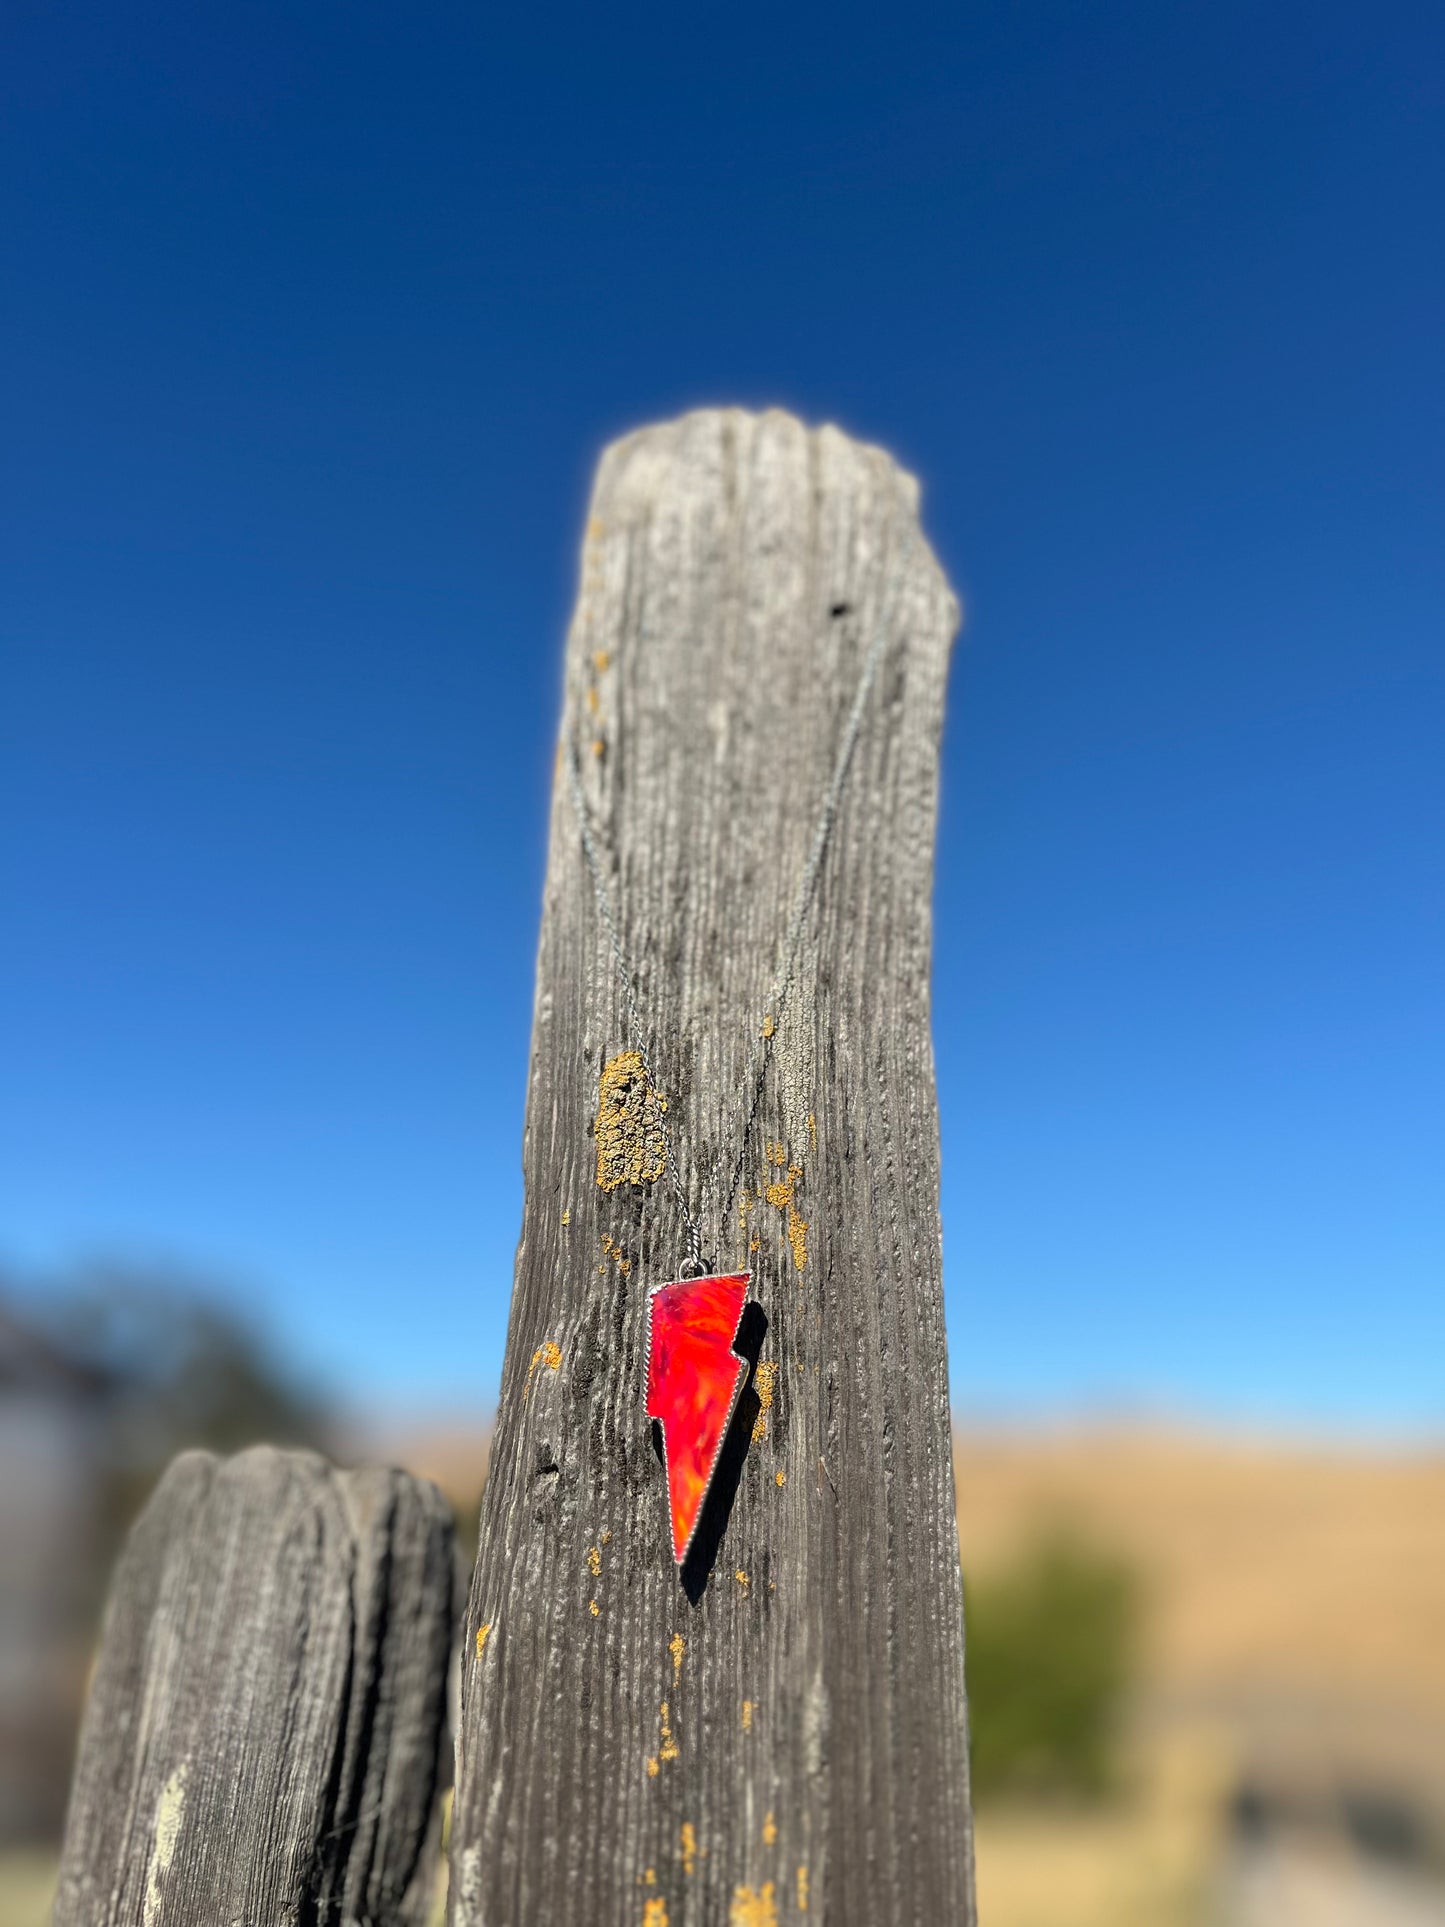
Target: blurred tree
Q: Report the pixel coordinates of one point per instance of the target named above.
(104, 1376)
(1051, 1645)
(181, 1369)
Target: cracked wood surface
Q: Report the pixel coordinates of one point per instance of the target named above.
(786, 1740)
(265, 1737)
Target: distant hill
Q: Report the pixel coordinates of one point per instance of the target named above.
(1295, 1596)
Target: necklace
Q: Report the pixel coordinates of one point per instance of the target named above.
(694, 1376)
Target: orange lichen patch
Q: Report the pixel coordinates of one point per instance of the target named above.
(649, 1877)
(594, 1608)
(549, 1355)
(769, 1025)
(782, 1194)
(677, 1646)
(482, 1634)
(599, 747)
(747, 1716)
(652, 1768)
(812, 1133)
(654, 1912)
(802, 1890)
(606, 1537)
(566, 1218)
(798, 1238)
(765, 1383)
(594, 1561)
(742, 1578)
(753, 1907)
(755, 1242)
(668, 1749)
(614, 1252)
(631, 1148)
(689, 1847)
(601, 661)
(770, 1830)
(780, 1479)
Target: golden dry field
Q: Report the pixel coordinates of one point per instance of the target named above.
(1267, 1567)
(1294, 1640)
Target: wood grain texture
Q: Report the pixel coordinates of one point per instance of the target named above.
(264, 1741)
(791, 1744)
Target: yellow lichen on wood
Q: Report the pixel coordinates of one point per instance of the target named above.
(769, 1025)
(802, 1890)
(652, 1768)
(549, 1355)
(654, 1912)
(747, 1716)
(677, 1646)
(742, 1578)
(482, 1635)
(594, 1561)
(754, 1907)
(780, 1479)
(770, 1829)
(688, 1839)
(668, 1749)
(601, 661)
(614, 1252)
(782, 1194)
(631, 1148)
(765, 1382)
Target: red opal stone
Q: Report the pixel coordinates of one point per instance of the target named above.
(693, 1380)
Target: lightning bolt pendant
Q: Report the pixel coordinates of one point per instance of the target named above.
(693, 1380)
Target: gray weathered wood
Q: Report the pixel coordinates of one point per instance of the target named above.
(790, 1744)
(264, 1741)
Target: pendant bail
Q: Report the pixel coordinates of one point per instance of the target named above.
(693, 1266)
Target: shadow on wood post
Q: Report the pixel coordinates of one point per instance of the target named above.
(265, 1735)
(785, 1738)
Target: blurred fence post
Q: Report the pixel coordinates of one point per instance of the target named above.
(264, 1739)
(784, 1737)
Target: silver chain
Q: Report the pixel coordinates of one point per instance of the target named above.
(782, 982)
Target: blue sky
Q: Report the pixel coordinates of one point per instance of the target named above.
(315, 318)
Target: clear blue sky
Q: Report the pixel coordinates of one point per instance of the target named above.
(315, 317)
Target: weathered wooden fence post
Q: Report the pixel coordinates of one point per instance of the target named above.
(783, 1737)
(264, 1738)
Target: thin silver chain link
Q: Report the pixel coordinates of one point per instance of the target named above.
(782, 982)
